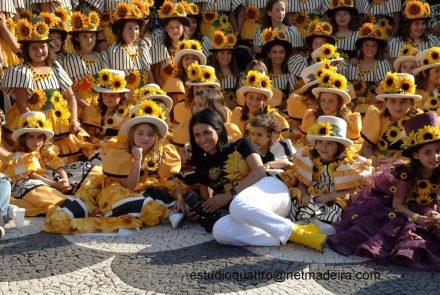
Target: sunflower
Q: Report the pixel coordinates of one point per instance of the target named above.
(121, 110)
(37, 100)
(408, 50)
(133, 80)
(267, 35)
(414, 9)
(390, 82)
(327, 51)
(325, 78)
(26, 14)
(300, 19)
(10, 25)
(327, 28)
(424, 199)
(235, 167)
(393, 133)
(24, 29)
(118, 83)
(170, 69)
(48, 18)
(194, 71)
(179, 9)
(427, 134)
(194, 9)
(371, 18)
(223, 19)
(359, 87)
(195, 45)
(321, 129)
(148, 108)
(93, 20)
(123, 9)
(218, 39)
(434, 55)
(77, 21)
(109, 121)
(383, 22)
(252, 13)
(151, 165)
(431, 104)
(366, 30)
(265, 82)
(251, 78)
(380, 33)
(207, 74)
(423, 187)
(62, 13)
(281, 35)
(105, 18)
(104, 77)
(231, 40)
(136, 11)
(210, 16)
(56, 98)
(339, 81)
(61, 113)
(383, 145)
(41, 30)
(407, 86)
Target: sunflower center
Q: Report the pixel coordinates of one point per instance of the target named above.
(326, 79)
(427, 136)
(117, 84)
(389, 82)
(263, 84)
(209, 16)
(322, 131)
(58, 113)
(148, 110)
(252, 79)
(207, 76)
(150, 164)
(435, 55)
(327, 51)
(393, 133)
(338, 83)
(423, 185)
(405, 86)
(414, 9)
(110, 121)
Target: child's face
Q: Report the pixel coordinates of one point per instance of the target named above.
(318, 42)
(408, 67)
(192, 25)
(198, 104)
(327, 149)
(174, 29)
(111, 100)
(429, 155)
(188, 59)
(369, 48)
(278, 12)
(224, 57)
(434, 75)
(35, 141)
(56, 40)
(342, 18)
(329, 103)
(255, 101)
(87, 41)
(277, 54)
(260, 138)
(38, 51)
(398, 106)
(144, 136)
(417, 28)
(131, 32)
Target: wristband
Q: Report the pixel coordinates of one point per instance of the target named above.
(233, 192)
(415, 216)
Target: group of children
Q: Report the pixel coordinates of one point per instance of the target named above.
(305, 144)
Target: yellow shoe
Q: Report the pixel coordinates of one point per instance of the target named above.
(314, 228)
(304, 235)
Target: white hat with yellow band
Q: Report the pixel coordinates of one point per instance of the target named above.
(257, 82)
(329, 128)
(407, 53)
(202, 75)
(332, 82)
(185, 47)
(33, 122)
(111, 81)
(398, 85)
(427, 59)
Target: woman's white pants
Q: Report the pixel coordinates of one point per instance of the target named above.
(257, 216)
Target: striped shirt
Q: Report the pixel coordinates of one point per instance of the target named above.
(311, 7)
(347, 46)
(261, 4)
(77, 68)
(283, 82)
(53, 4)
(119, 59)
(110, 5)
(379, 73)
(7, 6)
(159, 53)
(360, 5)
(20, 76)
(296, 64)
(228, 83)
(395, 44)
(293, 36)
(388, 7)
(220, 5)
(18, 3)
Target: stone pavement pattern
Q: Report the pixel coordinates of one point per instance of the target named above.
(186, 260)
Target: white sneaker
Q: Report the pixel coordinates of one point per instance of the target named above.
(326, 228)
(175, 218)
(2, 231)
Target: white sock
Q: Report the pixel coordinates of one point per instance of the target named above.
(326, 228)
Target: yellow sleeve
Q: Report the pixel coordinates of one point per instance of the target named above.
(228, 115)
(354, 126)
(50, 158)
(182, 112)
(371, 126)
(116, 162)
(308, 120)
(91, 116)
(236, 119)
(170, 164)
(296, 108)
(234, 132)
(19, 165)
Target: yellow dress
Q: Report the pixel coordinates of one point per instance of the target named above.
(109, 124)
(116, 205)
(34, 195)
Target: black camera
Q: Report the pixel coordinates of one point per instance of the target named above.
(207, 219)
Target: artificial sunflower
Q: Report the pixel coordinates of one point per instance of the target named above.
(149, 108)
(414, 9)
(210, 16)
(62, 13)
(383, 145)
(327, 28)
(179, 9)
(194, 72)
(231, 40)
(24, 29)
(104, 77)
(423, 187)
(359, 87)
(195, 45)
(136, 11)
(133, 80)
(390, 82)
(407, 85)
(328, 51)
(61, 114)
(280, 35)
(223, 19)
(78, 21)
(37, 100)
(393, 133)
(56, 98)
(123, 9)
(339, 82)
(265, 82)
(434, 55)
(207, 74)
(235, 167)
(48, 18)
(194, 9)
(84, 86)
(379, 33)
(366, 30)
(26, 14)
(267, 35)
(300, 19)
(121, 110)
(109, 121)
(151, 165)
(105, 19)
(93, 20)
(118, 83)
(427, 134)
(325, 78)
(41, 30)
(408, 50)
(252, 13)
(219, 39)
(383, 22)
(251, 78)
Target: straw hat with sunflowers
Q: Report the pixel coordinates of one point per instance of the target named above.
(173, 10)
(202, 75)
(322, 30)
(223, 40)
(34, 29)
(370, 31)
(337, 5)
(135, 10)
(407, 53)
(33, 122)
(185, 47)
(257, 82)
(111, 81)
(272, 37)
(331, 82)
(329, 128)
(416, 10)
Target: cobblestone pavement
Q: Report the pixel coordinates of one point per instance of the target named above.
(186, 260)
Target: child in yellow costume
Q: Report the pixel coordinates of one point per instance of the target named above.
(32, 187)
(136, 190)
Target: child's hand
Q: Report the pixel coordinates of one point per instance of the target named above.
(425, 221)
(305, 199)
(180, 206)
(63, 185)
(75, 127)
(136, 152)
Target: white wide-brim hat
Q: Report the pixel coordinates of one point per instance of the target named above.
(382, 97)
(245, 89)
(346, 98)
(161, 125)
(401, 59)
(422, 67)
(165, 99)
(20, 131)
(179, 55)
(340, 135)
(216, 85)
(110, 90)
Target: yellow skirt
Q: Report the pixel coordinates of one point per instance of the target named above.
(249, 29)
(39, 200)
(8, 56)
